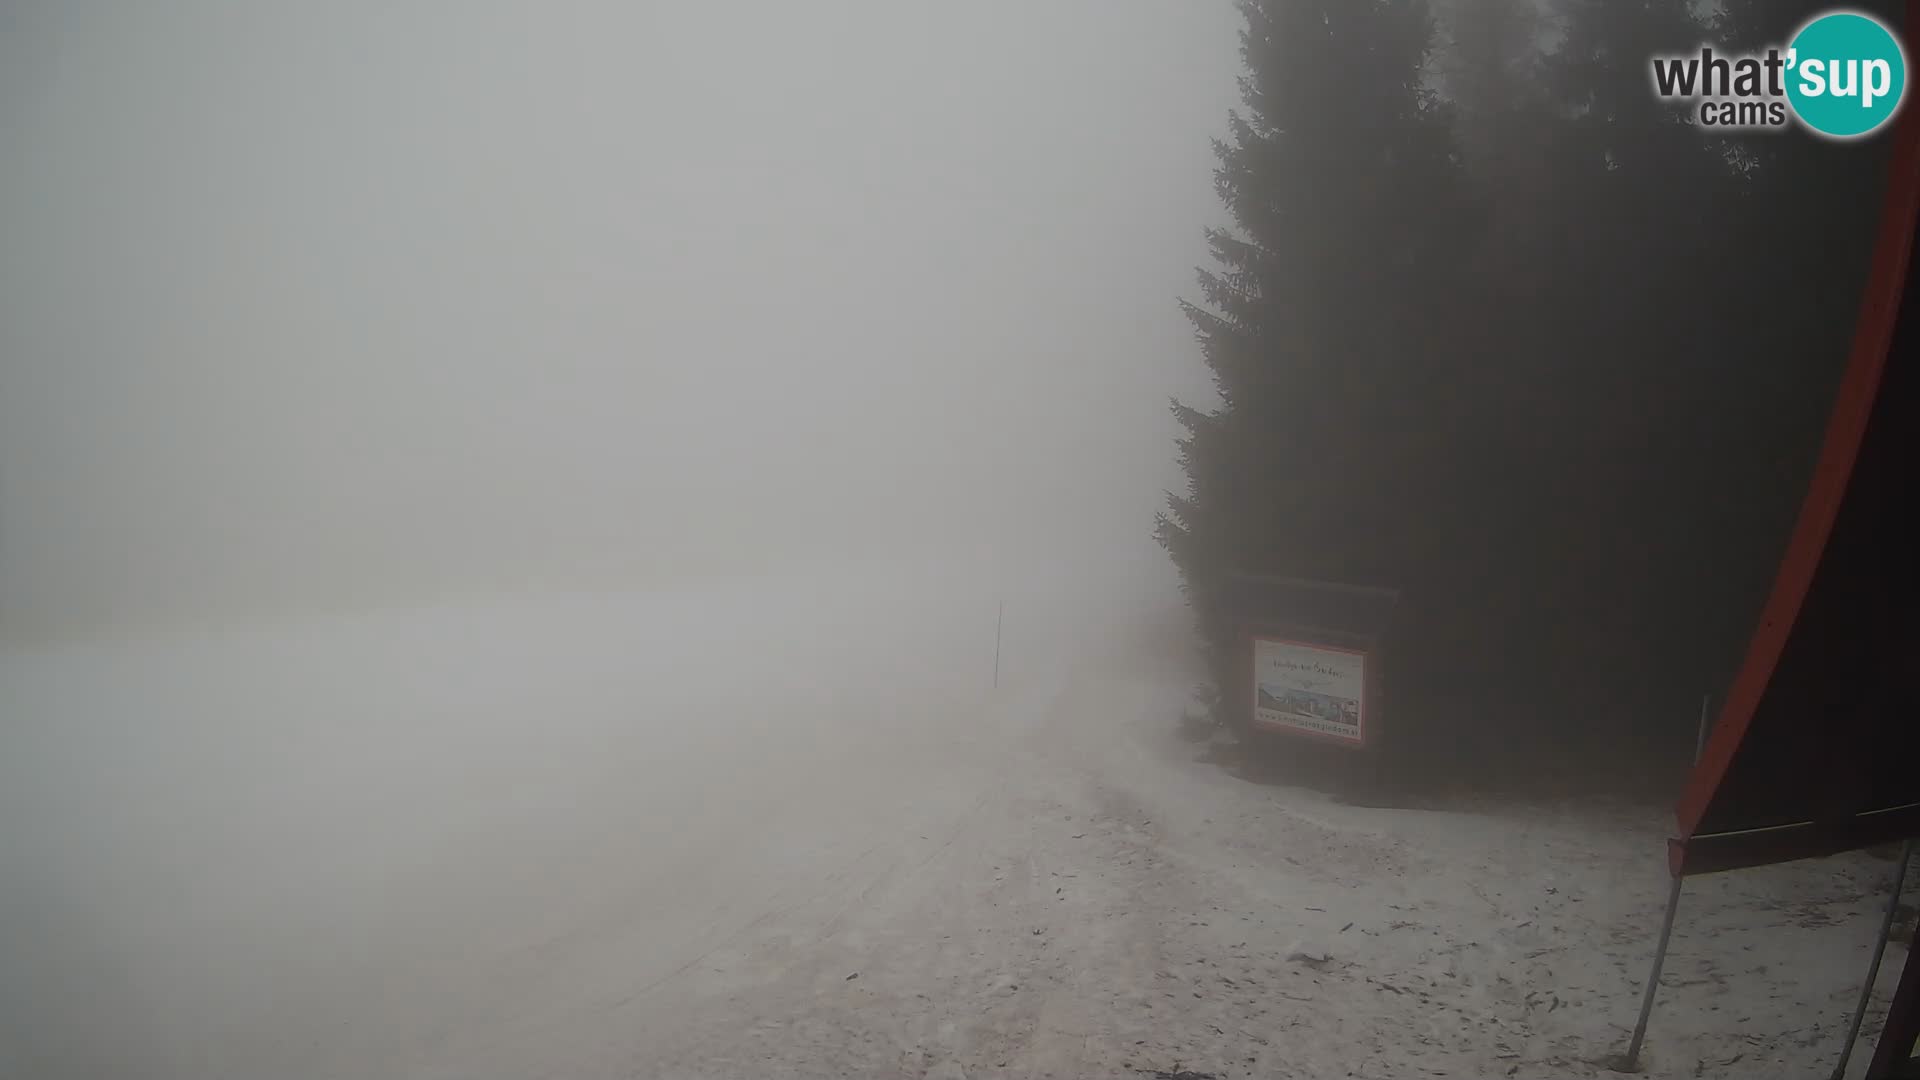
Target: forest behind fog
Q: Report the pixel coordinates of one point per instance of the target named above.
(1493, 325)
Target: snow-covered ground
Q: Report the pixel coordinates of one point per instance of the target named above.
(786, 826)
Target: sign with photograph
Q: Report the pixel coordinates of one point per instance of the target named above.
(1316, 690)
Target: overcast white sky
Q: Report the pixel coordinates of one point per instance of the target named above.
(302, 303)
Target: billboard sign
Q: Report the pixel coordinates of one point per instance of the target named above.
(1308, 689)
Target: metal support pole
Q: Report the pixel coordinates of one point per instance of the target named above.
(1873, 966)
(1630, 1061)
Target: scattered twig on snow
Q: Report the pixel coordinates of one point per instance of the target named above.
(1177, 1073)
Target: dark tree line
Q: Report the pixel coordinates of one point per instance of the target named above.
(1494, 326)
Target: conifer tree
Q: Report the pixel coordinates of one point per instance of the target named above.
(1320, 316)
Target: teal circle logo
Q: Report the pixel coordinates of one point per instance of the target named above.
(1846, 74)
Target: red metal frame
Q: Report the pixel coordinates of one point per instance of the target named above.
(1873, 336)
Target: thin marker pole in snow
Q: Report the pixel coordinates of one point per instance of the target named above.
(998, 617)
(1873, 966)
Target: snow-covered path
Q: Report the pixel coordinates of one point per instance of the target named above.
(786, 827)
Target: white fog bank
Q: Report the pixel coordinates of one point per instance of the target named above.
(316, 307)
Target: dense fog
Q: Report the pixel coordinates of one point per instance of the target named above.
(475, 474)
(322, 306)
(711, 539)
